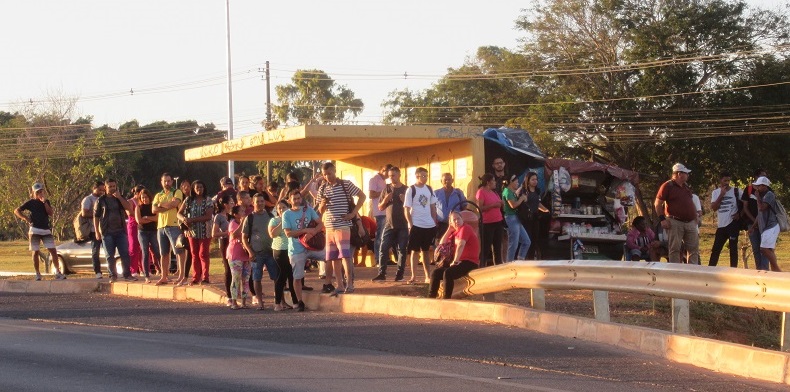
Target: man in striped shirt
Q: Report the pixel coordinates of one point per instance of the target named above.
(335, 203)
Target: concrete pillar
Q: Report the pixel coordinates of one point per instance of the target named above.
(537, 298)
(785, 336)
(601, 305)
(680, 316)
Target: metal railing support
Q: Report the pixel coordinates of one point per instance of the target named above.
(601, 305)
(785, 335)
(681, 321)
(537, 299)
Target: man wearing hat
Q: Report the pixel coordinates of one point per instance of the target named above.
(226, 188)
(39, 211)
(767, 221)
(678, 215)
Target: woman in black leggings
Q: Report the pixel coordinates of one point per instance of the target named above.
(493, 222)
(280, 254)
(465, 259)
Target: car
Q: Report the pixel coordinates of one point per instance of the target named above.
(75, 257)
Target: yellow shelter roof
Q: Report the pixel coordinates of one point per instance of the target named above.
(329, 142)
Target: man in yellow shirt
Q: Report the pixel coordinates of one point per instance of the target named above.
(165, 204)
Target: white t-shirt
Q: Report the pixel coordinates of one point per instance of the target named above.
(376, 184)
(728, 206)
(420, 206)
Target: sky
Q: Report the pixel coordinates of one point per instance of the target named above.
(153, 60)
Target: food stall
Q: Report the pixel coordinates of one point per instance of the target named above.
(587, 203)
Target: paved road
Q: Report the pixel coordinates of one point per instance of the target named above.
(104, 342)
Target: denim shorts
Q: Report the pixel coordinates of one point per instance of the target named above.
(266, 258)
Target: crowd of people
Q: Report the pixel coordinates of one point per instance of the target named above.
(259, 228)
(753, 209)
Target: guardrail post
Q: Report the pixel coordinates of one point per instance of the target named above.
(680, 316)
(601, 305)
(785, 344)
(537, 298)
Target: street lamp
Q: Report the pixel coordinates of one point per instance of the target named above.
(230, 89)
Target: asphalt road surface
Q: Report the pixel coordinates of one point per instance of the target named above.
(97, 342)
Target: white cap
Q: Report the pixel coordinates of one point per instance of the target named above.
(679, 167)
(762, 181)
(37, 186)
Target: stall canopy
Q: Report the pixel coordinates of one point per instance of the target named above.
(515, 140)
(575, 167)
(321, 142)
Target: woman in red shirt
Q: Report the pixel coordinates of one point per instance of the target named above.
(493, 222)
(467, 256)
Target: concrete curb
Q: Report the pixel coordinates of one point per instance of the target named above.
(724, 357)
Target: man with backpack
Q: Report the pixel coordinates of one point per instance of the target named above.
(109, 221)
(88, 203)
(768, 220)
(420, 207)
(724, 200)
(336, 206)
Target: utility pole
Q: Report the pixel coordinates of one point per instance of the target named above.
(268, 125)
(231, 169)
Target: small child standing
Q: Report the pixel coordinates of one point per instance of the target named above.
(40, 230)
(239, 260)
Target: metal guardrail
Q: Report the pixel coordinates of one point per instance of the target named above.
(727, 286)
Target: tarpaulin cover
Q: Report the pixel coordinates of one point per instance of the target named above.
(575, 167)
(517, 140)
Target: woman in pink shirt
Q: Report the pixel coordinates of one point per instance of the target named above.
(493, 223)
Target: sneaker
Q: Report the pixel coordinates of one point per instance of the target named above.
(38, 276)
(60, 276)
(130, 278)
(134, 275)
(399, 277)
(300, 307)
(307, 288)
(98, 275)
(113, 279)
(379, 277)
(205, 281)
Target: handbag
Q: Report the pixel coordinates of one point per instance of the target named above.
(357, 240)
(181, 242)
(444, 254)
(317, 241)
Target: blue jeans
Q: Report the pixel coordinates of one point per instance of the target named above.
(517, 238)
(167, 237)
(390, 238)
(120, 242)
(379, 233)
(760, 261)
(95, 250)
(264, 257)
(148, 238)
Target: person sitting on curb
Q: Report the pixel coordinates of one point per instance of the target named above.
(466, 258)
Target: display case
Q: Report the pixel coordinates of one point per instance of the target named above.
(587, 210)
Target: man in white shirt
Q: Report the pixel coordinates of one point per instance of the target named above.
(420, 209)
(724, 200)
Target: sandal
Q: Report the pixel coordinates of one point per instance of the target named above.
(161, 282)
(235, 307)
(287, 307)
(278, 308)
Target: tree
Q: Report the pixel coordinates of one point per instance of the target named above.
(637, 83)
(314, 98)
